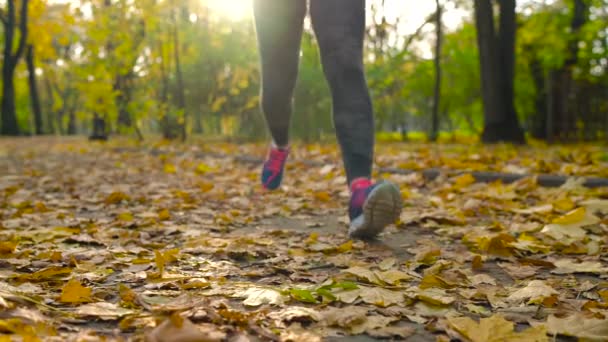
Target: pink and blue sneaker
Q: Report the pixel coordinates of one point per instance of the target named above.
(372, 207)
(272, 172)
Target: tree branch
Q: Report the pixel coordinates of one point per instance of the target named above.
(415, 35)
(22, 31)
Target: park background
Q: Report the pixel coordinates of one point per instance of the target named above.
(190, 68)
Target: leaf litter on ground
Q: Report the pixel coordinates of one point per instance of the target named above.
(180, 244)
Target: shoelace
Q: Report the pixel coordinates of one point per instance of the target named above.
(276, 159)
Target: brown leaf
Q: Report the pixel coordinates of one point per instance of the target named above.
(184, 331)
(74, 292)
(579, 326)
(495, 329)
(536, 291)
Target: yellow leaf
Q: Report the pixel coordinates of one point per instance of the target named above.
(46, 274)
(564, 204)
(428, 256)
(164, 215)
(178, 329)
(177, 320)
(7, 247)
(170, 255)
(435, 297)
(432, 280)
(572, 217)
(160, 262)
(205, 187)
(126, 216)
(170, 168)
(364, 274)
(74, 292)
(477, 262)
(202, 168)
(312, 238)
(464, 180)
(499, 245)
(535, 292)
(495, 329)
(126, 294)
(392, 277)
(323, 196)
(345, 247)
(117, 197)
(580, 326)
(196, 284)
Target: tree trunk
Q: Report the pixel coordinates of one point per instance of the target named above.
(9, 117)
(539, 117)
(49, 104)
(7, 106)
(497, 61)
(34, 97)
(179, 95)
(437, 91)
(72, 123)
(562, 113)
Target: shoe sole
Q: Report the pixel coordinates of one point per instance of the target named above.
(382, 208)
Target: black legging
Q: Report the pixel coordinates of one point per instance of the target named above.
(339, 26)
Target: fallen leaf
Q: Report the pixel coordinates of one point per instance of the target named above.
(371, 323)
(574, 216)
(535, 291)
(256, 296)
(495, 329)
(74, 292)
(296, 313)
(579, 326)
(464, 180)
(392, 277)
(164, 215)
(169, 331)
(567, 266)
(169, 168)
(541, 209)
(435, 296)
(596, 205)
(45, 274)
(7, 247)
(387, 264)
(402, 332)
(345, 317)
(371, 295)
(381, 297)
(519, 271)
(476, 309)
(432, 280)
(102, 310)
(364, 274)
(568, 228)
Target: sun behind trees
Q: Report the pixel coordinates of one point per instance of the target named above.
(182, 68)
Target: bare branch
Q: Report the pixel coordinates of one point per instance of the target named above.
(416, 33)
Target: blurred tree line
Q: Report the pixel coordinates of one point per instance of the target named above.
(179, 68)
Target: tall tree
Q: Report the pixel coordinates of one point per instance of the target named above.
(561, 122)
(34, 97)
(497, 67)
(180, 95)
(11, 59)
(437, 63)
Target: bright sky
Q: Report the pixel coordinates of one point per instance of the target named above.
(411, 14)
